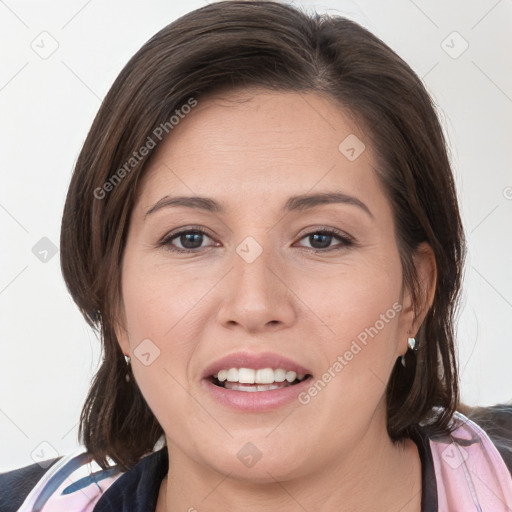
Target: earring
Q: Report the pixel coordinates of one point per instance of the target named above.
(127, 376)
(411, 343)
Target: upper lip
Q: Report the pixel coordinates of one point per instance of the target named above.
(255, 361)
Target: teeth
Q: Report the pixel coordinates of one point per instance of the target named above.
(235, 386)
(264, 376)
(232, 375)
(261, 376)
(246, 376)
(280, 375)
(291, 376)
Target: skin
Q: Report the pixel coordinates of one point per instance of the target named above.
(310, 306)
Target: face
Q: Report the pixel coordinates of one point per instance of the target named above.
(317, 283)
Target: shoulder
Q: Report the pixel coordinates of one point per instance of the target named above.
(496, 422)
(15, 485)
(472, 461)
(74, 482)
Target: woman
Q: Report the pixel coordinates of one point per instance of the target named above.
(263, 226)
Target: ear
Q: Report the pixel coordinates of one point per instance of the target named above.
(426, 270)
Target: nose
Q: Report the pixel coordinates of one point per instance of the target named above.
(256, 296)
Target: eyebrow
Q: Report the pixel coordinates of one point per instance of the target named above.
(295, 203)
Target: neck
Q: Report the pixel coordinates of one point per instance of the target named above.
(371, 477)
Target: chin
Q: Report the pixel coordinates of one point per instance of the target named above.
(250, 464)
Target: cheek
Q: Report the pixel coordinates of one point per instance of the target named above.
(160, 300)
(361, 308)
(170, 307)
(354, 297)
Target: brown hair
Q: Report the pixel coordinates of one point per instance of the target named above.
(269, 44)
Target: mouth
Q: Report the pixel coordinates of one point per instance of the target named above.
(253, 382)
(250, 380)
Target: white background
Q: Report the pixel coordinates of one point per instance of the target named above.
(48, 354)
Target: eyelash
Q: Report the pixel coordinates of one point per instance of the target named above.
(346, 241)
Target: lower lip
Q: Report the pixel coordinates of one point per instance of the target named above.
(256, 401)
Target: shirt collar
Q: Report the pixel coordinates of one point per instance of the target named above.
(137, 490)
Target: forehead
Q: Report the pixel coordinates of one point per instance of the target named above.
(260, 145)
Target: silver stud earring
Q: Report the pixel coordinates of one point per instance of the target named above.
(411, 343)
(127, 376)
